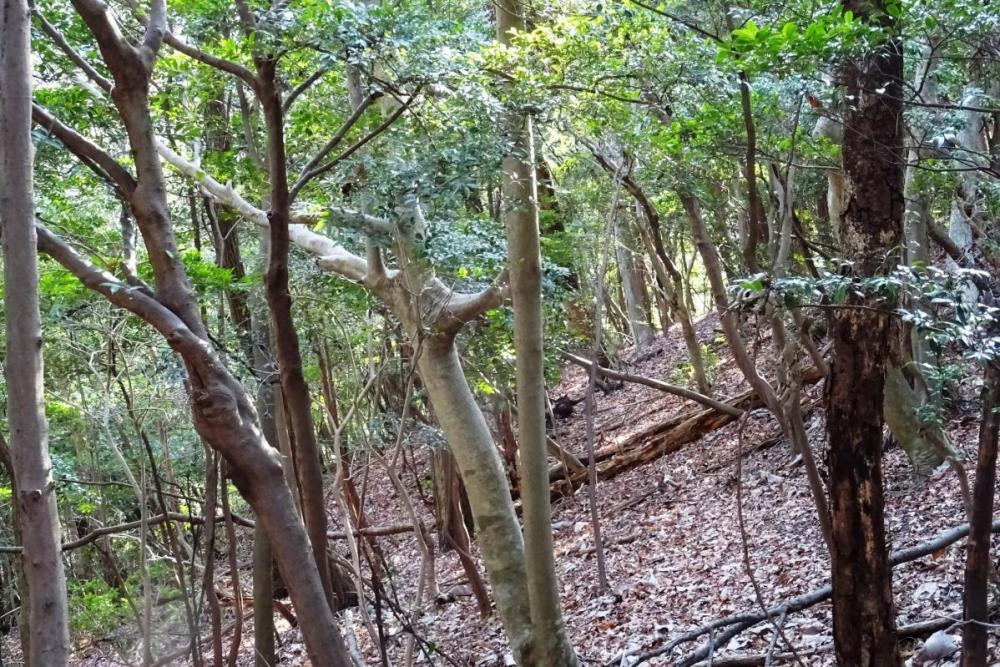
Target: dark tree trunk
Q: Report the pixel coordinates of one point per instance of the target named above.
(295, 391)
(29, 436)
(977, 564)
(863, 616)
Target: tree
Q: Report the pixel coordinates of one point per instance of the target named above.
(45, 599)
(863, 615)
(223, 412)
(550, 645)
(975, 637)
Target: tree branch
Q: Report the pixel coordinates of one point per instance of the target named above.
(306, 84)
(331, 256)
(383, 126)
(307, 171)
(195, 351)
(57, 37)
(85, 150)
(156, 28)
(656, 384)
(118, 53)
(221, 64)
(463, 308)
(104, 531)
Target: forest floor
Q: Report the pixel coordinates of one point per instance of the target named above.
(673, 543)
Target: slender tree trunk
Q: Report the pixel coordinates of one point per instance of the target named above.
(36, 498)
(977, 565)
(499, 534)
(864, 622)
(222, 413)
(253, 338)
(295, 391)
(667, 274)
(632, 286)
(550, 645)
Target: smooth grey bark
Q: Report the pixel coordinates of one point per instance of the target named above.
(468, 435)
(37, 513)
(549, 642)
(632, 286)
(432, 315)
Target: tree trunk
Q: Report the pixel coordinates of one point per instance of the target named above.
(977, 565)
(550, 645)
(294, 390)
(632, 287)
(863, 617)
(489, 496)
(29, 447)
(223, 414)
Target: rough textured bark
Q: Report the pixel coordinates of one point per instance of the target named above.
(863, 617)
(550, 644)
(36, 500)
(977, 564)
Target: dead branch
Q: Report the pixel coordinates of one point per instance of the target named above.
(737, 623)
(660, 439)
(683, 392)
(374, 531)
(918, 629)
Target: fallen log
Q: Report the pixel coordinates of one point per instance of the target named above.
(737, 623)
(659, 439)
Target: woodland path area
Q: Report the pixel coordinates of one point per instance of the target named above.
(499, 333)
(674, 546)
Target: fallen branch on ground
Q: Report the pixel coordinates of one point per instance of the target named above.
(676, 390)
(737, 623)
(904, 632)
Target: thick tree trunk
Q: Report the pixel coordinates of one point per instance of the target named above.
(469, 437)
(549, 646)
(29, 447)
(977, 565)
(863, 617)
(864, 625)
